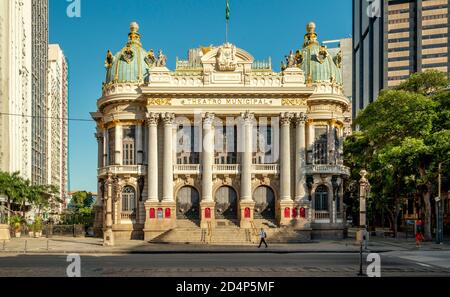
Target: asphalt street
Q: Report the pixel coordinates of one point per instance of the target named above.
(417, 263)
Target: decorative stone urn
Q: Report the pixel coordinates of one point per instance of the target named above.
(4, 232)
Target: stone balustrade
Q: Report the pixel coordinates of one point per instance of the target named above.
(186, 169)
(122, 170)
(328, 169)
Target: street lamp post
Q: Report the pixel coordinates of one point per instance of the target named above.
(440, 208)
(364, 189)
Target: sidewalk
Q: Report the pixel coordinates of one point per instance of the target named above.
(66, 245)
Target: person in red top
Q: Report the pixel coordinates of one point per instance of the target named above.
(419, 238)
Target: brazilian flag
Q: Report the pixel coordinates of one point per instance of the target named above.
(227, 12)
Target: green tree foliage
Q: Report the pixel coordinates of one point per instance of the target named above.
(19, 191)
(404, 135)
(80, 209)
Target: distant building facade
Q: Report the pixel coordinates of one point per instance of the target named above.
(344, 48)
(57, 124)
(393, 39)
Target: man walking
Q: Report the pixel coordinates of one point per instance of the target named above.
(263, 236)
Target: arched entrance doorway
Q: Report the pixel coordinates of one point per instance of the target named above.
(264, 203)
(226, 203)
(188, 203)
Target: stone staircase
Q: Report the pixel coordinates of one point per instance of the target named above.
(228, 232)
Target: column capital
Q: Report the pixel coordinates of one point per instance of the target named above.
(248, 117)
(152, 119)
(285, 118)
(168, 118)
(301, 118)
(99, 136)
(208, 119)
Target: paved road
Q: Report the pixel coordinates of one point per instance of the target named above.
(233, 265)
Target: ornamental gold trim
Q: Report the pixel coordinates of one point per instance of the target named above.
(159, 102)
(294, 102)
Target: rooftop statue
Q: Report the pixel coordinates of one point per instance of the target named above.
(162, 59)
(150, 59)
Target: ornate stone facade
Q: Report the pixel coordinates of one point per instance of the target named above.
(221, 138)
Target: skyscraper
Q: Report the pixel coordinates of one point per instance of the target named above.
(57, 126)
(393, 39)
(15, 86)
(39, 90)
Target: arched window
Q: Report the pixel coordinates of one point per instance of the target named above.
(321, 145)
(128, 199)
(321, 198)
(129, 150)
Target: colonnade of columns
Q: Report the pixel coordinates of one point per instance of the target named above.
(287, 121)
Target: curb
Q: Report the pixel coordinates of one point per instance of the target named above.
(126, 252)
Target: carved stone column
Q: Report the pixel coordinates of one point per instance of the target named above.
(285, 157)
(108, 235)
(246, 202)
(285, 203)
(167, 195)
(300, 158)
(207, 205)
(99, 137)
(152, 168)
(247, 157)
(208, 157)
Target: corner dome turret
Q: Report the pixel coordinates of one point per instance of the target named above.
(318, 64)
(131, 64)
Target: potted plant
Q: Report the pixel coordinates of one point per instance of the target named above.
(4, 227)
(37, 227)
(16, 225)
(30, 228)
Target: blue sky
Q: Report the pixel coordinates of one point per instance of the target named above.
(262, 27)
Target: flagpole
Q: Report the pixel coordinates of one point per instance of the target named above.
(226, 32)
(227, 18)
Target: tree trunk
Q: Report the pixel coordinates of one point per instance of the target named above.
(9, 210)
(426, 195)
(427, 212)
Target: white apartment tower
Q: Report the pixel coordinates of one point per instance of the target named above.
(57, 125)
(15, 86)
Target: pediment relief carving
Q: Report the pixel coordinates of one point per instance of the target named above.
(227, 57)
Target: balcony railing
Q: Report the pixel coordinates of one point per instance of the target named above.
(186, 169)
(127, 216)
(226, 168)
(265, 168)
(331, 169)
(122, 169)
(321, 215)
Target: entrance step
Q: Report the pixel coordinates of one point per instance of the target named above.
(188, 223)
(229, 233)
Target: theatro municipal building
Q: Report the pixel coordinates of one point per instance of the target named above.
(221, 146)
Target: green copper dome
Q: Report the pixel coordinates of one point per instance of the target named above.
(318, 64)
(131, 63)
